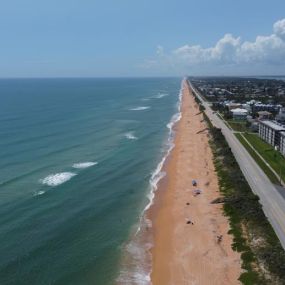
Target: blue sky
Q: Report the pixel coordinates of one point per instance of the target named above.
(141, 38)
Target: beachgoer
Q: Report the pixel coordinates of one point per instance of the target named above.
(219, 238)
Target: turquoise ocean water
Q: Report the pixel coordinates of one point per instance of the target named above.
(77, 164)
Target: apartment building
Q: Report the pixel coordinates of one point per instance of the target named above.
(282, 143)
(270, 132)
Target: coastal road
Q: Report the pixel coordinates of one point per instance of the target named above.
(271, 200)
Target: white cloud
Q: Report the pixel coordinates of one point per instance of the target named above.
(225, 49)
(265, 49)
(229, 51)
(279, 29)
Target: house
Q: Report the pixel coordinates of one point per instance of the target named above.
(233, 105)
(239, 114)
(264, 115)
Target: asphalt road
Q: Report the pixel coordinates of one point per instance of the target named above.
(272, 201)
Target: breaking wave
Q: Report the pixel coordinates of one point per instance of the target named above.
(160, 95)
(158, 174)
(130, 136)
(57, 178)
(137, 270)
(39, 193)
(82, 165)
(141, 108)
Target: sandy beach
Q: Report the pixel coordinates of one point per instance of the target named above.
(186, 249)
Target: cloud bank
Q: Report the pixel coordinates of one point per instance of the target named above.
(230, 54)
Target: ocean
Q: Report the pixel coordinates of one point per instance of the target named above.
(79, 161)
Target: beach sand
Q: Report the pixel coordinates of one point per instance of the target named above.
(189, 253)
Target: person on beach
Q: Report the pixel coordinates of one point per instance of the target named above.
(219, 238)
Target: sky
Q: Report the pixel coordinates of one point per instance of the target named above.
(122, 38)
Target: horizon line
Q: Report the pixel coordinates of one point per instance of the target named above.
(136, 77)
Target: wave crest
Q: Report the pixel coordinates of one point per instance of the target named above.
(141, 108)
(82, 165)
(57, 178)
(160, 95)
(38, 193)
(130, 136)
(137, 269)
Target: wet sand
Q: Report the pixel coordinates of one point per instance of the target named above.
(186, 253)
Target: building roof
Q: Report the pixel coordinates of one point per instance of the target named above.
(264, 113)
(273, 125)
(233, 104)
(239, 111)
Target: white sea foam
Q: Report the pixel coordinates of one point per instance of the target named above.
(135, 272)
(139, 272)
(82, 165)
(139, 277)
(38, 193)
(158, 174)
(130, 136)
(57, 178)
(141, 108)
(160, 95)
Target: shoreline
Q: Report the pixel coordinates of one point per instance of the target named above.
(182, 252)
(136, 262)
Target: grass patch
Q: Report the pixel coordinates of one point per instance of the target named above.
(249, 278)
(239, 126)
(273, 157)
(258, 160)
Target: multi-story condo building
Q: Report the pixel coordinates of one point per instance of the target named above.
(282, 143)
(270, 132)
